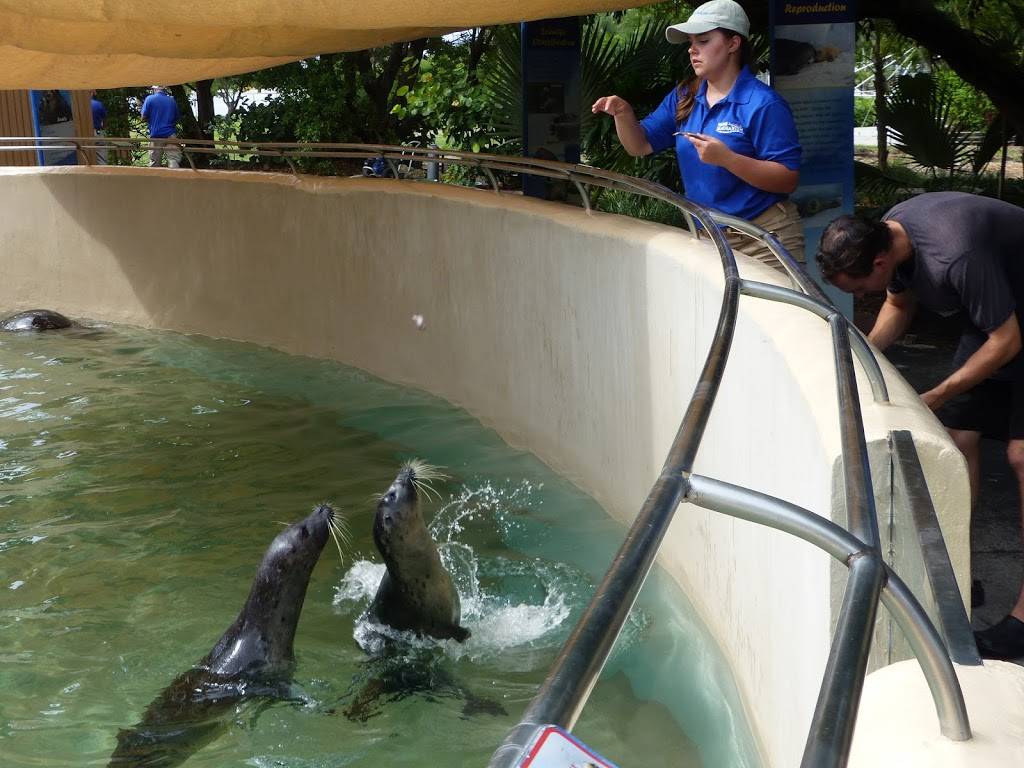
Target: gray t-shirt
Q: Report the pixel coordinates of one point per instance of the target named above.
(968, 255)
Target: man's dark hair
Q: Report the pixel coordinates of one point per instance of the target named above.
(850, 244)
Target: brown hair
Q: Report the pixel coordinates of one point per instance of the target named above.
(850, 245)
(688, 88)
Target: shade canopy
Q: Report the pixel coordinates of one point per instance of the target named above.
(114, 43)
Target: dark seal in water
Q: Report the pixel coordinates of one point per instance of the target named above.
(35, 320)
(253, 658)
(416, 593)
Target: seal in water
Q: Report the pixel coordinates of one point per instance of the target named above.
(416, 593)
(253, 658)
(35, 320)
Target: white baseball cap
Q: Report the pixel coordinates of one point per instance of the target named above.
(717, 13)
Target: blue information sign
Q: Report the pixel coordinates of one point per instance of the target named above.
(813, 59)
(551, 98)
(52, 116)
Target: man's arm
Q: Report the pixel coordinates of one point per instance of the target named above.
(999, 349)
(893, 319)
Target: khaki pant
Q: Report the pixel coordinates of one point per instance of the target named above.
(168, 144)
(783, 221)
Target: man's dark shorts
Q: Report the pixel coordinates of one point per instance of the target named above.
(994, 408)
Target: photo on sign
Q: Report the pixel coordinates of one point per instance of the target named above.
(545, 98)
(52, 113)
(814, 56)
(818, 204)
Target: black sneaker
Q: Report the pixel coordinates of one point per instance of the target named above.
(1004, 640)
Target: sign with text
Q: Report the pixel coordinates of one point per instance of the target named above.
(812, 67)
(52, 116)
(554, 747)
(551, 98)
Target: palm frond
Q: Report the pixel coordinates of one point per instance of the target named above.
(919, 115)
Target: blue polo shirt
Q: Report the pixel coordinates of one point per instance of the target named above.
(161, 112)
(752, 120)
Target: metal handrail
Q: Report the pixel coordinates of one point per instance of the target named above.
(579, 663)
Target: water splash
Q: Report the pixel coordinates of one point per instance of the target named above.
(513, 607)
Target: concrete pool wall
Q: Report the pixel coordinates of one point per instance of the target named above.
(577, 337)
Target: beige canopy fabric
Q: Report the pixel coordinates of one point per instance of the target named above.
(115, 43)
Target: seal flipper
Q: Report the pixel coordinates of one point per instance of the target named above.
(459, 634)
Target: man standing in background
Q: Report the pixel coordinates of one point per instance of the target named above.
(160, 111)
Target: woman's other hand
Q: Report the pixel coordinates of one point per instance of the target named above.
(709, 149)
(611, 105)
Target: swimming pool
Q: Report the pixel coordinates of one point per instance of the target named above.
(142, 475)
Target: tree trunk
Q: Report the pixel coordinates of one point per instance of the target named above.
(881, 129)
(479, 44)
(189, 124)
(204, 107)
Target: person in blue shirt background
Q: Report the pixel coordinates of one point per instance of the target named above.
(99, 125)
(160, 111)
(734, 137)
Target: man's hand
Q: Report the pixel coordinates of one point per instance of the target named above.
(934, 399)
(1002, 345)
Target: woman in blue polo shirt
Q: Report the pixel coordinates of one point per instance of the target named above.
(734, 136)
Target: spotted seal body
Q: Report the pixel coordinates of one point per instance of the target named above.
(35, 320)
(417, 592)
(253, 658)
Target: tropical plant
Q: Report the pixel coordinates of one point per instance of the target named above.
(633, 61)
(918, 111)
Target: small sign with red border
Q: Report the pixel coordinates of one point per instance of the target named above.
(555, 748)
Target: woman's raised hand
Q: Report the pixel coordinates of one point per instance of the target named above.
(611, 105)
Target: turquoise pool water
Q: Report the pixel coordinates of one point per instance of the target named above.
(143, 474)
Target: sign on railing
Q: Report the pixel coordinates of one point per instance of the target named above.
(554, 747)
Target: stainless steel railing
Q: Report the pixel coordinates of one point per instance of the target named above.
(564, 692)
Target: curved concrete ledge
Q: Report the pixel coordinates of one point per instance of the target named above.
(897, 724)
(578, 337)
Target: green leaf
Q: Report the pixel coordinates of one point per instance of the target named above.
(402, 91)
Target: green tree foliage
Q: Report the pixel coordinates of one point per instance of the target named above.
(340, 97)
(924, 123)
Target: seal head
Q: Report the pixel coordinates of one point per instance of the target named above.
(417, 592)
(260, 642)
(35, 320)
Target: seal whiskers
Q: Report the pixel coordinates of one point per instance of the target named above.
(423, 475)
(337, 531)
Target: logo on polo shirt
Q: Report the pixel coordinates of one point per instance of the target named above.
(726, 127)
